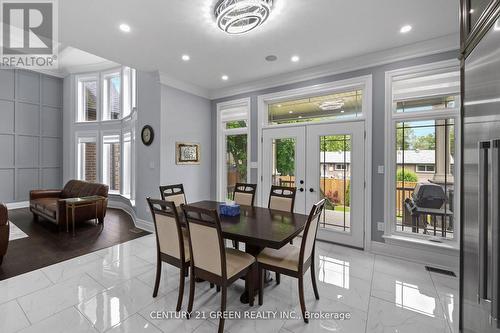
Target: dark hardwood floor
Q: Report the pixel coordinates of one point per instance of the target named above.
(46, 246)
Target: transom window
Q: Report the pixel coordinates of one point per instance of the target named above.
(347, 104)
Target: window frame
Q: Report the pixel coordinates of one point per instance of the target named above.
(104, 76)
(79, 116)
(392, 117)
(106, 133)
(94, 135)
(222, 133)
(425, 168)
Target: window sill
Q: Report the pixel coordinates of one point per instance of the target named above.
(450, 247)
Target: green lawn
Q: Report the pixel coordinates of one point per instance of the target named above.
(343, 209)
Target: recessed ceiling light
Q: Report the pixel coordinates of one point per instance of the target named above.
(295, 58)
(225, 77)
(186, 57)
(342, 111)
(125, 27)
(290, 112)
(279, 105)
(406, 28)
(271, 57)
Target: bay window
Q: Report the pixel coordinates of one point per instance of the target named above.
(105, 123)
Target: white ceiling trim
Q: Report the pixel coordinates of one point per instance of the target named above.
(167, 80)
(429, 47)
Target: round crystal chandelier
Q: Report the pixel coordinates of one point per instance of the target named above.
(240, 16)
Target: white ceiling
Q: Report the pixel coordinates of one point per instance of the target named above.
(319, 31)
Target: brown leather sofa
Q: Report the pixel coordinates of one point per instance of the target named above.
(50, 205)
(4, 231)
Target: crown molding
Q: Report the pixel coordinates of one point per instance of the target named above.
(167, 80)
(428, 47)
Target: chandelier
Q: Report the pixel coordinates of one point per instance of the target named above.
(240, 16)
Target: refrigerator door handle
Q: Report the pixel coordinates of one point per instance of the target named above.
(483, 221)
(495, 265)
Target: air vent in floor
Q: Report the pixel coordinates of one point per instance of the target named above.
(440, 271)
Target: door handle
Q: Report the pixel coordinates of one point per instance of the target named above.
(301, 189)
(483, 220)
(311, 190)
(495, 265)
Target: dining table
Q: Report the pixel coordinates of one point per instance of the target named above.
(258, 228)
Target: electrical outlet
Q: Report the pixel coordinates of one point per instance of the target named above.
(381, 226)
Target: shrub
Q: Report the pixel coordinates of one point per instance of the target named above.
(406, 175)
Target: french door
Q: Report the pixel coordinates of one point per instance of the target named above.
(321, 161)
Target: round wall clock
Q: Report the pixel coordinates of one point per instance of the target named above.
(147, 135)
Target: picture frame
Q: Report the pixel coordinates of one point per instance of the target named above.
(187, 153)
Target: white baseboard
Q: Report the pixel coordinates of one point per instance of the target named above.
(145, 225)
(17, 205)
(430, 258)
(141, 224)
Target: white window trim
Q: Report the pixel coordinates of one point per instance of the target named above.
(87, 134)
(87, 77)
(101, 127)
(111, 132)
(391, 118)
(365, 83)
(222, 132)
(425, 168)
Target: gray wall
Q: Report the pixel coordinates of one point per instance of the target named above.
(30, 133)
(147, 157)
(187, 118)
(378, 73)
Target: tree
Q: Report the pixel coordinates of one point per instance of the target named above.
(335, 143)
(426, 142)
(237, 150)
(405, 137)
(285, 157)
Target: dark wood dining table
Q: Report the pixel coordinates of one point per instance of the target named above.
(258, 228)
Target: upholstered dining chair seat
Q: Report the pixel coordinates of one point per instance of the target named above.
(287, 257)
(236, 261)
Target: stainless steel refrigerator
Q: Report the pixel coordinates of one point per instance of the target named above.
(480, 273)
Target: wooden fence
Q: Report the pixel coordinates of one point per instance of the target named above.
(403, 190)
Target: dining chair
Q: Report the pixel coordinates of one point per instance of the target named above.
(244, 195)
(282, 198)
(211, 260)
(172, 243)
(292, 260)
(173, 193)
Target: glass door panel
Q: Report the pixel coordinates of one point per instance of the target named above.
(336, 172)
(335, 156)
(284, 163)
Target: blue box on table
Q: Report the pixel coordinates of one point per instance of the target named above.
(229, 210)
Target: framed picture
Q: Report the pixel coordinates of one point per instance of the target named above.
(187, 153)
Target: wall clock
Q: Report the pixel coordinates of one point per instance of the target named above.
(147, 135)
